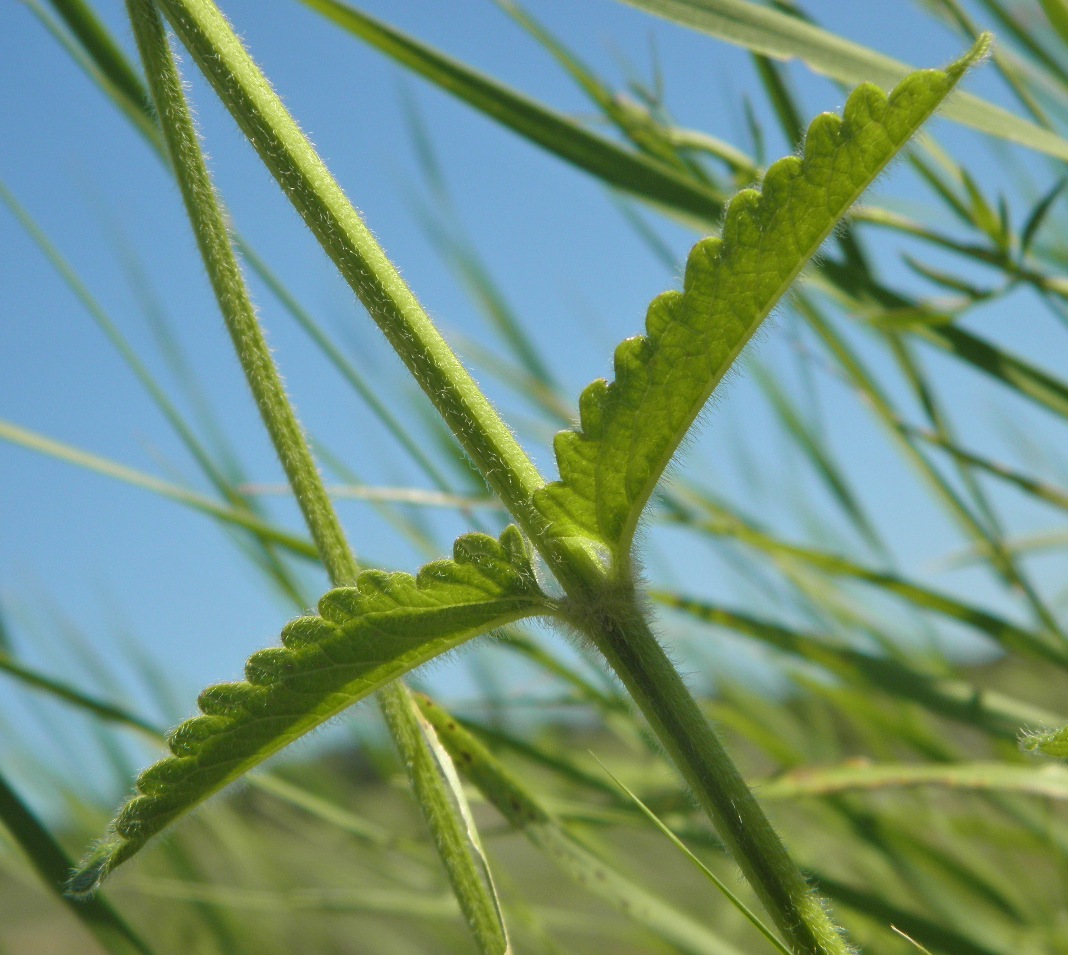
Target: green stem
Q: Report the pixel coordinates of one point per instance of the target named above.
(633, 652)
(337, 225)
(456, 838)
(626, 640)
(450, 831)
(238, 311)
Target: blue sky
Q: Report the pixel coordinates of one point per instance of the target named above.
(90, 568)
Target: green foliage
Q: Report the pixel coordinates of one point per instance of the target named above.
(387, 625)
(632, 427)
(363, 637)
(886, 750)
(1050, 743)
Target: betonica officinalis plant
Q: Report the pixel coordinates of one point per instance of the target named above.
(565, 546)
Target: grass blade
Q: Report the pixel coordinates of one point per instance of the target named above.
(92, 462)
(1048, 782)
(779, 35)
(52, 864)
(640, 175)
(749, 914)
(523, 810)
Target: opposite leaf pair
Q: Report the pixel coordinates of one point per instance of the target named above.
(583, 525)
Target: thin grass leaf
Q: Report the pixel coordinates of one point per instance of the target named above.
(632, 172)
(630, 429)
(764, 30)
(985, 526)
(634, 120)
(1006, 65)
(261, 549)
(1038, 215)
(749, 914)
(939, 937)
(464, 258)
(92, 56)
(910, 940)
(1057, 13)
(1009, 370)
(124, 349)
(102, 709)
(1011, 637)
(819, 456)
(266, 532)
(101, 47)
(996, 713)
(1025, 34)
(390, 495)
(781, 98)
(1048, 782)
(344, 366)
(52, 864)
(1042, 490)
(369, 901)
(525, 812)
(172, 351)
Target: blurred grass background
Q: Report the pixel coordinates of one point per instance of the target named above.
(859, 563)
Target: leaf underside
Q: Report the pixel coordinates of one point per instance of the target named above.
(362, 637)
(631, 427)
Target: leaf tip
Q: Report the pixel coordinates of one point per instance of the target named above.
(981, 49)
(84, 881)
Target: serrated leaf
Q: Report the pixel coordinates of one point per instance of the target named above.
(1050, 743)
(631, 428)
(362, 637)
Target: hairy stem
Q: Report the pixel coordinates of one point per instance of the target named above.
(450, 831)
(213, 239)
(337, 225)
(633, 652)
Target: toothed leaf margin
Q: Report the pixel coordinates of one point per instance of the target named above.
(361, 638)
(630, 428)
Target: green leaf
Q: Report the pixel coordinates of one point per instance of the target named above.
(1057, 13)
(1008, 635)
(247, 519)
(575, 859)
(784, 37)
(641, 175)
(104, 52)
(744, 909)
(878, 907)
(1049, 781)
(1050, 743)
(1013, 372)
(631, 428)
(980, 708)
(52, 865)
(363, 637)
